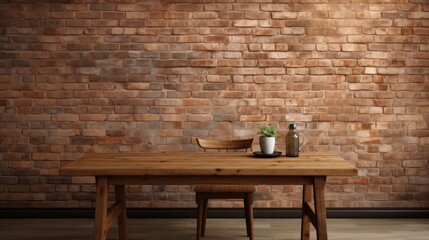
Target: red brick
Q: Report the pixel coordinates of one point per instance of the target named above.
(120, 117)
(200, 117)
(252, 118)
(245, 23)
(368, 14)
(321, 71)
(363, 86)
(110, 141)
(274, 71)
(93, 117)
(147, 117)
(230, 63)
(284, 15)
(65, 117)
(174, 117)
(265, 32)
(94, 132)
(45, 156)
(204, 63)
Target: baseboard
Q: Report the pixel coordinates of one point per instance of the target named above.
(218, 213)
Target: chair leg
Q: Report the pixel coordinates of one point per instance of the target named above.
(199, 217)
(205, 205)
(248, 207)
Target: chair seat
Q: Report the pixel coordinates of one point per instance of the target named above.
(224, 188)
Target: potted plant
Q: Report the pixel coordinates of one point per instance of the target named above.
(267, 140)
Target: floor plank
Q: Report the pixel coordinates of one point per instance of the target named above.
(225, 229)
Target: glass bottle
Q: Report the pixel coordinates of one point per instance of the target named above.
(292, 141)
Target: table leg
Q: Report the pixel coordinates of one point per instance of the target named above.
(101, 206)
(122, 217)
(200, 218)
(305, 220)
(319, 205)
(248, 207)
(204, 220)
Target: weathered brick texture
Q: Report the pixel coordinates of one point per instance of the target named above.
(148, 76)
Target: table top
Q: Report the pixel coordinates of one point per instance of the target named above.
(207, 164)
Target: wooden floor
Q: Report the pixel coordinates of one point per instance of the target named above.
(225, 229)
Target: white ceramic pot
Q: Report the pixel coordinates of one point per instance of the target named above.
(267, 144)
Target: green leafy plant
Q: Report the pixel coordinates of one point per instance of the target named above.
(268, 131)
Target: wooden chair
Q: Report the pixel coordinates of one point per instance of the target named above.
(206, 192)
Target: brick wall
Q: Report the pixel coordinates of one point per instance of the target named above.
(120, 76)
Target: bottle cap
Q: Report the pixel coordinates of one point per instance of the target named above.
(292, 126)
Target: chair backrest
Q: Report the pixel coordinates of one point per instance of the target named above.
(225, 144)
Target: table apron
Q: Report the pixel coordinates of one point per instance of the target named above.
(210, 180)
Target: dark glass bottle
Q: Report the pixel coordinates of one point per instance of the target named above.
(292, 142)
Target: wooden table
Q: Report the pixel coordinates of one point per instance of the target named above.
(120, 169)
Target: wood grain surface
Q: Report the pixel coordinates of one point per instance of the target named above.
(207, 164)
